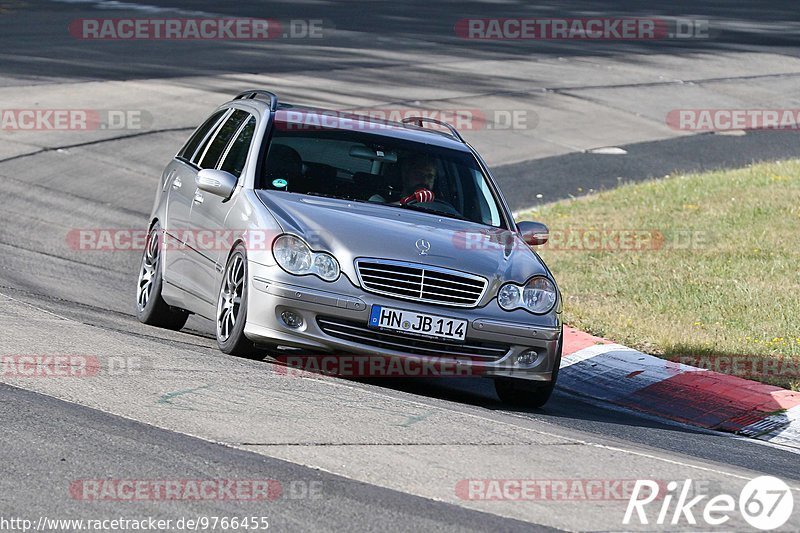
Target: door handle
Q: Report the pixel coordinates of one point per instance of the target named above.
(177, 183)
(198, 198)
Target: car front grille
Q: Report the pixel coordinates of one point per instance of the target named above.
(351, 331)
(420, 283)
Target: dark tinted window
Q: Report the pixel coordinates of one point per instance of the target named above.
(199, 134)
(222, 138)
(237, 154)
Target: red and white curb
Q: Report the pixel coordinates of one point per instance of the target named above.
(600, 369)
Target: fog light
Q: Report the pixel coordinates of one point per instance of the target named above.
(527, 358)
(292, 319)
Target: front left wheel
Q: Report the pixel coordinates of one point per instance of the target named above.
(151, 309)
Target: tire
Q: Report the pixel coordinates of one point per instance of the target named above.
(151, 309)
(231, 316)
(522, 393)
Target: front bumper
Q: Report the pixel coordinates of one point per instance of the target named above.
(335, 317)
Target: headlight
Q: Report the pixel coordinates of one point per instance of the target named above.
(509, 296)
(295, 257)
(537, 296)
(325, 266)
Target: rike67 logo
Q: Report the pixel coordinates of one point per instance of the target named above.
(765, 503)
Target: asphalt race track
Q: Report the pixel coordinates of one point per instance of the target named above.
(384, 455)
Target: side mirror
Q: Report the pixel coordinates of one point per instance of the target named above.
(217, 182)
(533, 233)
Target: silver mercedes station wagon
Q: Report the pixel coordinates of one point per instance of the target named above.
(318, 232)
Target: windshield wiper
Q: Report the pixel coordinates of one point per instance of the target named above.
(417, 207)
(321, 195)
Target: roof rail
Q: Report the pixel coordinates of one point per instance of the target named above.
(419, 121)
(259, 94)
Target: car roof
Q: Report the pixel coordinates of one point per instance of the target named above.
(301, 116)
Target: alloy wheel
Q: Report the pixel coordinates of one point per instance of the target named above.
(147, 274)
(230, 298)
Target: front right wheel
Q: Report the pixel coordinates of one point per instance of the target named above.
(232, 307)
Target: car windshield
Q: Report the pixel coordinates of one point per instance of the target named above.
(369, 167)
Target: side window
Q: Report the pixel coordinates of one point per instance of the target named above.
(199, 134)
(237, 152)
(221, 139)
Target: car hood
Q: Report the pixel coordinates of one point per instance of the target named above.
(350, 230)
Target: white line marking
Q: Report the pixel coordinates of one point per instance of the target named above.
(38, 308)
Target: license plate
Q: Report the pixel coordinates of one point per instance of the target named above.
(415, 323)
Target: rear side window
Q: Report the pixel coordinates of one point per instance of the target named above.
(237, 153)
(199, 134)
(222, 137)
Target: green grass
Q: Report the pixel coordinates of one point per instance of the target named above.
(723, 281)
